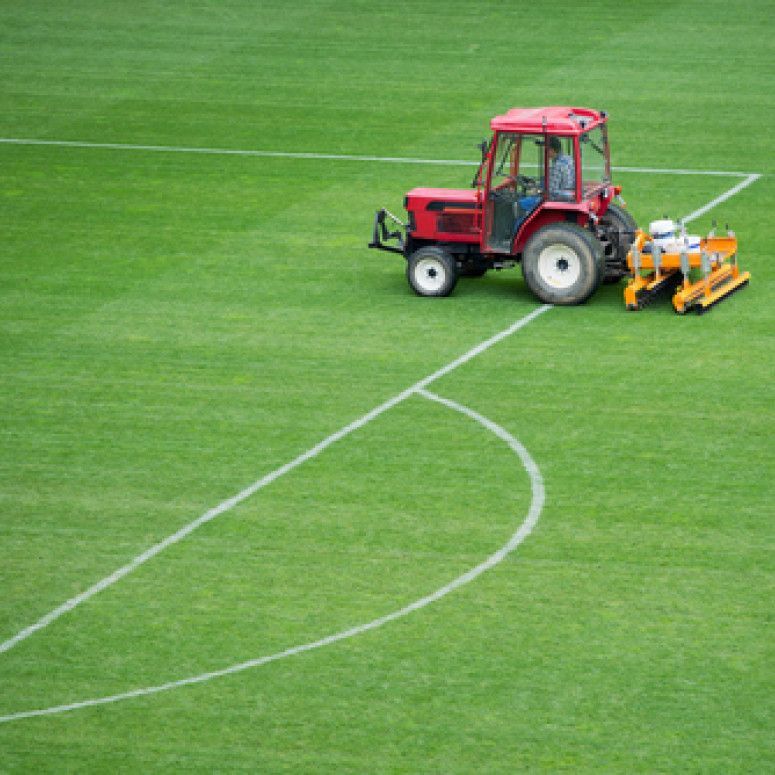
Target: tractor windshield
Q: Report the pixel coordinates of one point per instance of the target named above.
(595, 165)
(517, 157)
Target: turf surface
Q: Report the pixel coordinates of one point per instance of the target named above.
(173, 326)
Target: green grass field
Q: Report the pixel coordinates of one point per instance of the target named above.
(174, 326)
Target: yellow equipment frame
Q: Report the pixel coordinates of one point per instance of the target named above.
(654, 270)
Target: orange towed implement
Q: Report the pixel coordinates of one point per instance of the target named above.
(698, 272)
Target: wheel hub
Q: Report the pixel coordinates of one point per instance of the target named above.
(430, 275)
(559, 266)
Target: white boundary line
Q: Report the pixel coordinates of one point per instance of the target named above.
(320, 156)
(752, 178)
(538, 496)
(230, 503)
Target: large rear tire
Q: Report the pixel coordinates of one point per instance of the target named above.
(563, 264)
(620, 228)
(431, 271)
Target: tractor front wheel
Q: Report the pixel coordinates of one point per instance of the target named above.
(563, 264)
(432, 271)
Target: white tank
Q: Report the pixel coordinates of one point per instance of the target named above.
(665, 234)
(664, 229)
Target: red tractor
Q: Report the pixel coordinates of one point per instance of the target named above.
(542, 197)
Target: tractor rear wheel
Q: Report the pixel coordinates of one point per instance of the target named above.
(432, 271)
(619, 229)
(563, 264)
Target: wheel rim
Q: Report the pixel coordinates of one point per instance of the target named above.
(559, 266)
(430, 275)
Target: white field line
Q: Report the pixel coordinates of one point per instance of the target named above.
(722, 198)
(232, 152)
(319, 156)
(230, 503)
(661, 171)
(522, 532)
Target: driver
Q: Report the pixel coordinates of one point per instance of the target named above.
(562, 178)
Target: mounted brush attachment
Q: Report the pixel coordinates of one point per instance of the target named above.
(697, 272)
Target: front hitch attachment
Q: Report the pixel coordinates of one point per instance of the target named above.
(381, 235)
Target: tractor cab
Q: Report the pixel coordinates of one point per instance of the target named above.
(542, 165)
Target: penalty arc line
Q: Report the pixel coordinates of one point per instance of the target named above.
(538, 496)
(230, 503)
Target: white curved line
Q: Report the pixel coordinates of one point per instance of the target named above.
(536, 505)
(230, 503)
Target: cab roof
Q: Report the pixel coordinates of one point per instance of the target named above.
(554, 120)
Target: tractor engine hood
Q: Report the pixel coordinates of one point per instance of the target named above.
(444, 214)
(442, 198)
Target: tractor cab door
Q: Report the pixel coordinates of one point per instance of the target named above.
(514, 187)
